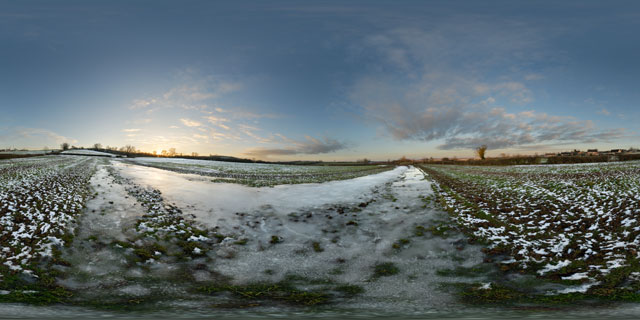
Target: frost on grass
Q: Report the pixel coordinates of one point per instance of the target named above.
(39, 201)
(151, 235)
(84, 152)
(261, 174)
(570, 222)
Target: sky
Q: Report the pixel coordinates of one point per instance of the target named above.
(321, 80)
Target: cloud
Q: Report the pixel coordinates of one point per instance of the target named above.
(131, 130)
(605, 112)
(193, 92)
(250, 131)
(443, 83)
(188, 93)
(31, 137)
(142, 103)
(190, 123)
(242, 114)
(458, 43)
(461, 113)
(200, 136)
(533, 77)
(216, 120)
(309, 146)
(142, 121)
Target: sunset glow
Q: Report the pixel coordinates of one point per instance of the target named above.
(331, 81)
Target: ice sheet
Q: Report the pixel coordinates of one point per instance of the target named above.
(210, 201)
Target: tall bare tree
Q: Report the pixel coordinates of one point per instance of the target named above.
(128, 149)
(481, 150)
(65, 146)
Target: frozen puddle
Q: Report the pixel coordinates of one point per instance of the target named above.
(110, 216)
(337, 231)
(112, 211)
(212, 201)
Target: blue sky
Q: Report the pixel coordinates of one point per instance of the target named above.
(330, 80)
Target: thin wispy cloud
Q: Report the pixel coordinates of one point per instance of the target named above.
(462, 116)
(193, 91)
(190, 123)
(445, 98)
(432, 75)
(310, 146)
(242, 114)
(31, 137)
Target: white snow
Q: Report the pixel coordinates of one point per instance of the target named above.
(581, 288)
(84, 152)
(577, 276)
(552, 267)
(210, 201)
(26, 152)
(485, 286)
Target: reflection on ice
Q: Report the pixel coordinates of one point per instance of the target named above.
(337, 230)
(211, 201)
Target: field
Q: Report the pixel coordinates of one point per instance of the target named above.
(108, 233)
(571, 224)
(175, 234)
(259, 175)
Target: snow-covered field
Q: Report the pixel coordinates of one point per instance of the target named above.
(99, 232)
(576, 224)
(39, 199)
(27, 152)
(86, 229)
(84, 152)
(260, 174)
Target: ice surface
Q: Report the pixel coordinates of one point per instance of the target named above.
(26, 152)
(84, 152)
(337, 230)
(109, 216)
(112, 211)
(211, 201)
(238, 167)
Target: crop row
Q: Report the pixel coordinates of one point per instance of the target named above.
(576, 223)
(39, 201)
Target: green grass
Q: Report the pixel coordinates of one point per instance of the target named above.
(385, 269)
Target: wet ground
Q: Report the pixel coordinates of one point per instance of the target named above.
(376, 245)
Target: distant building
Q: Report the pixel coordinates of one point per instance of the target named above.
(593, 152)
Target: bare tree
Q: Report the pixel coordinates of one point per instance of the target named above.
(163, 153)
(97, 146)
(172, 152)
(65, 146)
(194, 154)
(128, 149)
(481, 150)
